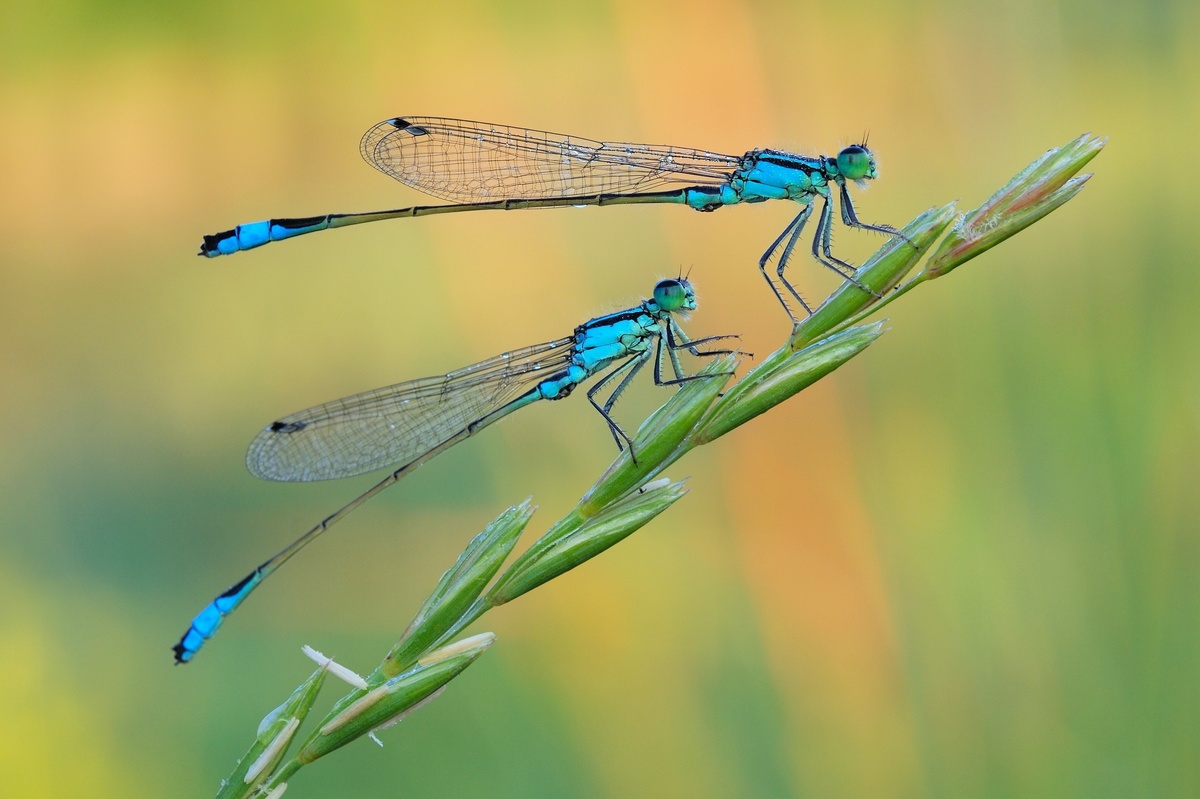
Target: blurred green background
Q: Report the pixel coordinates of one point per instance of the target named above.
(966, 565)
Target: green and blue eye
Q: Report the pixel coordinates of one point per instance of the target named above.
(856, 162)
(672, 294)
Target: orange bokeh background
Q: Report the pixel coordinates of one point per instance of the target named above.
(963, 565)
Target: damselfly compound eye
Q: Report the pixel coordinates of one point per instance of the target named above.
(855, 163)
(671, 295)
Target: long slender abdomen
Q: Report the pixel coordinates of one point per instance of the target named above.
(256, 234)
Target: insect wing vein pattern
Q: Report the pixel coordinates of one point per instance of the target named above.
(463, 161)
(394, 424)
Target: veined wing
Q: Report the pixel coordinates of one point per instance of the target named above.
(465, 162)
(394, 425)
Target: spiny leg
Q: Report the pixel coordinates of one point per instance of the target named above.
(823, 241)
(634, 365)
(851, 219)
(667, 341)
(766, 257)
(669, 344)
(676, 334)
(787, 255)
(638, 363)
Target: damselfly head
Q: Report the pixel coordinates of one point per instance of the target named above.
(675, 294)
(857, 163)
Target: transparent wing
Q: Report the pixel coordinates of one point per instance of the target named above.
(463, 161)
(396, 424)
